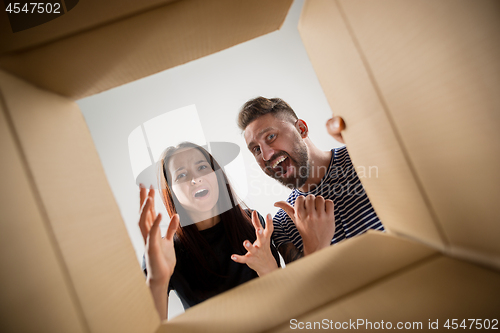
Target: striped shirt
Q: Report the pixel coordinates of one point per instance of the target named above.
(353, 211)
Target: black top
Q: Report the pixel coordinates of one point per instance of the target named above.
(226, 273)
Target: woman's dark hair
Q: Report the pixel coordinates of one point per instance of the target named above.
(237, 223)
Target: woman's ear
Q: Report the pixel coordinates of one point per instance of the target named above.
(302, 128)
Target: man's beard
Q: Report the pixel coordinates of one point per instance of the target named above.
(300, 163)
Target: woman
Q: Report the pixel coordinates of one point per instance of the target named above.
(207, 255)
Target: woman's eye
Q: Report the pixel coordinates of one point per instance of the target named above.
(202, 167)
(179, 176)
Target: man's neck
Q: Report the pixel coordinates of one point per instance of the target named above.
(319, 162)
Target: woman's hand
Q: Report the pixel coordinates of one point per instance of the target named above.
(259, 256)
(147, 215)
(160, 255)
(160, 252)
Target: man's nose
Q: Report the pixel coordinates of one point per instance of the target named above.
(267, 153)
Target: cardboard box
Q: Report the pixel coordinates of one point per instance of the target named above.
(68, 262)
(410, 78)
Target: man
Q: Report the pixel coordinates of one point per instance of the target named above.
(328, 203)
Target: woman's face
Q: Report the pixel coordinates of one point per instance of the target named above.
(193, 181)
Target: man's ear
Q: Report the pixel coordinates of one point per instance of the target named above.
(302, 128)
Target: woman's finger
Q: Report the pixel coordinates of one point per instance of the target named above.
(255, 220)
(151, 195)
(172, 227)
(143, 220)
(269, 226)
(155, 228)
(142, 195)
(249, 247)
(239, 259)
(256, 224)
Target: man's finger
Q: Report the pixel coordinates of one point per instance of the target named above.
(286, 207)
(300, 207)
(172, 227)
(329, 206)
(320, 204)
(310, 204)
(334, 127)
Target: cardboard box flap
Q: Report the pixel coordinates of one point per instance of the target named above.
(371, 139)
(85, 15)
(80, 213)
(304, 286)
(417, 83)
(120, 52)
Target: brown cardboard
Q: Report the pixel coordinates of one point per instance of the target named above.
(81, 213)
(72, 264)
(85, 15)
(34, 281)
(80, 273)
(140, 45)
(411, 78)
(396, 193)
(438, 289)
(304, 286)
(436, 67)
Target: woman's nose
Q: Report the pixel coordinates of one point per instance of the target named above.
(194, 181)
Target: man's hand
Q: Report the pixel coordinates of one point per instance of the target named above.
(335, 126)
(314, 219)
(259, 256)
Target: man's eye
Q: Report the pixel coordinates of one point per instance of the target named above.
(181, 175)
(256, 150)
(271, 136)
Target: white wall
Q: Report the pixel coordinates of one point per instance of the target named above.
(274, 65)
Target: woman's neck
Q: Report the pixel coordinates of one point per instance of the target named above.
(208, 223)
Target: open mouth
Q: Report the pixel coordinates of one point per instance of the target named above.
(201, 193)
(280, 166)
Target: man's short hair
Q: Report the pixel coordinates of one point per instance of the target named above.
(260, 106)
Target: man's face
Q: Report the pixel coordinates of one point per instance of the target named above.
(279, 149)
